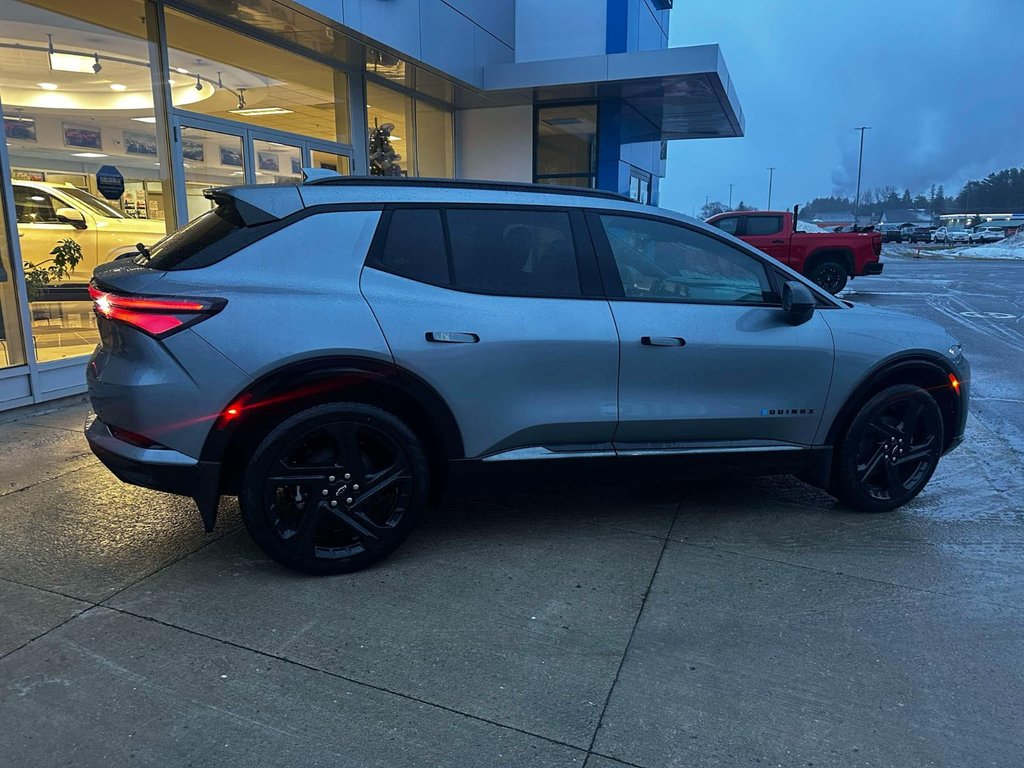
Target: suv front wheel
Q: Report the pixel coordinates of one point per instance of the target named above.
(335, 488)
(890, 450)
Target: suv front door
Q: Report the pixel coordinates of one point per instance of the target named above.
(501, 311)
(39, 229)
(706, 354)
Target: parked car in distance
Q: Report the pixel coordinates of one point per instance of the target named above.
(959, 235)
(47, 213)
(827, 258)
(942, 235)
(335, 352)
(919, 234)
(891, 233)
(987, 234)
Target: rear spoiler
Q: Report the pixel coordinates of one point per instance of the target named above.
(258, 205)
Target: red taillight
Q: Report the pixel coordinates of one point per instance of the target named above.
(156, 315)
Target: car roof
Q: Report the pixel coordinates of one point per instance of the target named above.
(262, 203)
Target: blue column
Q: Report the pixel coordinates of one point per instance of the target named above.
(617, 26)
(609, 144)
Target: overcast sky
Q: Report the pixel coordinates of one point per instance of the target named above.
(941, 82)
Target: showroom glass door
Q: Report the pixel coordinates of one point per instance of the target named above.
(221, 153)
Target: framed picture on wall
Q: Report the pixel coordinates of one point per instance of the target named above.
(268, 161)
(82, 136)
(231, 156)
(296, 166)
(20, 128)
(139, 143)
(193, 150)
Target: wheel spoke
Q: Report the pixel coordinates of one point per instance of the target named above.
(917, 453)
(886, 430)
(911, 417)
(346, 440)
(867, 469)
(893, 477)
(303, 537)
(367, 530)
(379, 482)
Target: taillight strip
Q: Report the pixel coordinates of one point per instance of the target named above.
(155, 315)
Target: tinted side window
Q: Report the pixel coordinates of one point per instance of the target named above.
(414, 247)
(729, 225)
(763, 225)
(514, 252)
(203, 241)
(661, 261)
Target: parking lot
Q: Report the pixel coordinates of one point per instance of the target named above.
(718, 623)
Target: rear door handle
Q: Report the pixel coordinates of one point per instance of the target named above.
(662, 341)
(778, 242)
(452, 337)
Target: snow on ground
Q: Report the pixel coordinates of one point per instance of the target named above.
(1010, 248)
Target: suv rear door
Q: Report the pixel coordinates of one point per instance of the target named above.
(501, 310)
(706, 354)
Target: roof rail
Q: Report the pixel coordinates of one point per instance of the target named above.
(501, 186)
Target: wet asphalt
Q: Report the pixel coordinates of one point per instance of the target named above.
(742, 623)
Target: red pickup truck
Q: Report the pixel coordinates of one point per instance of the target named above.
(827, 258)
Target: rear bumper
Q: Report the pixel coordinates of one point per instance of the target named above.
(873, 268)
(163, 470)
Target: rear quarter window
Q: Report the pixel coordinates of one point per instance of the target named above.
(204, 241)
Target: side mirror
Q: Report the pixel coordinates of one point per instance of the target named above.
(797, 302)
(71, 216)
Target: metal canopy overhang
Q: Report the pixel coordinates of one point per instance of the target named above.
(677, 93)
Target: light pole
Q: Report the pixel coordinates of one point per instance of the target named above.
(705, 211)
(860, 164)
(771, 173)
(730, 195)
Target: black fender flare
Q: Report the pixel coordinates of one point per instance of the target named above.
(870, 380)
(308, 376)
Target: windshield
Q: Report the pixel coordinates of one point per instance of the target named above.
(94, 204)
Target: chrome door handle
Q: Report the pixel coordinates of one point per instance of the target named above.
(451, 337)
(662, 341)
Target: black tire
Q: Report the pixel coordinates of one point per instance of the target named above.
(335, 488)
(830, 274)
(890, 450)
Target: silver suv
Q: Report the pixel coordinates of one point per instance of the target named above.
(335, 352)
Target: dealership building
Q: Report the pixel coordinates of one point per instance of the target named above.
(118, 114)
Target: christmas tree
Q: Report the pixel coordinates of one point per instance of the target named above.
(384, 161)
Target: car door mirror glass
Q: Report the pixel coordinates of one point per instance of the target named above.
(71, 216)
(797, 302)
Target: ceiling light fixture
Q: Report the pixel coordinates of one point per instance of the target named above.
(48, 86)
(119, 87)
(199, 83)
(88, 154)
(144, 119)
(61, 61)
(181, 71)
(261, 111)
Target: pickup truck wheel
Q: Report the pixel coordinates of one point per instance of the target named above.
(890, 450)
(830, 275)
(335, 488)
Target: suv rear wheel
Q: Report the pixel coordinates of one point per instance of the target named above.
(830, 274)
(335, 488)
(890, 450)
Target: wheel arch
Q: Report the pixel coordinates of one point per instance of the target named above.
(828, 253)
(925, 369)
(299, 385)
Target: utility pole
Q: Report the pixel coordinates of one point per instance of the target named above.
(860, 164)
(730, 195)
(771, 173)
(705, 211)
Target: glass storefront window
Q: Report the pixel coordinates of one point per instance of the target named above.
(12, 348)
(331, 162)
(211, 159)
(435, 142)
(390, 117)
(407, 136)
(77, 94)
(566, 145)
(221, 73)
(276, 161)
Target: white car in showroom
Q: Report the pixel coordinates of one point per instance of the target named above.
(49, 213)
